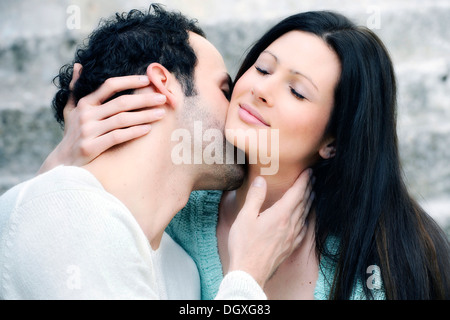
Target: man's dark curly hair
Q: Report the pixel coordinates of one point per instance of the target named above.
(125, 45)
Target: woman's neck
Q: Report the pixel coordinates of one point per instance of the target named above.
(277, 185)
(297, 275)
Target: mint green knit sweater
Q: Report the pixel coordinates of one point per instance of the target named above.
(194, 228)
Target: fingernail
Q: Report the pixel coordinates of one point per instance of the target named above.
(258, 182)
(144, 79)
(160, 98)
(160, 113)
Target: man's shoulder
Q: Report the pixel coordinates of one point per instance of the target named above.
(65, 218)
(65, 198)
(63, 179)
(60, 180)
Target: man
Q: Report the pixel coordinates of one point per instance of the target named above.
(97, 232)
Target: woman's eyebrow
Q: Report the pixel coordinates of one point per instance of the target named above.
(293, 71)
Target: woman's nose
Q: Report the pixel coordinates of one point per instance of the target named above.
(261, 92)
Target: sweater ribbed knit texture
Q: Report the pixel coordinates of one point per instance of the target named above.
(62, 236)
(194, 228)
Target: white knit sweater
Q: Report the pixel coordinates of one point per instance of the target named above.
(62, 236)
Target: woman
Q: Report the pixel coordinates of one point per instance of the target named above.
(328, 87)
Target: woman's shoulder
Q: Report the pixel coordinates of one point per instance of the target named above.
(199, 214)
(327, 270)
(199, 203)
(204, 200)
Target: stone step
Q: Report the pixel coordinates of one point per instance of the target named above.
(27, 137)
(413, 31)
(8, 181)
(29, 134)
(32, 50)
(439, 210)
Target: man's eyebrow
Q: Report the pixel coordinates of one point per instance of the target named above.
(230, 81)
(292, 71)
(226, 79)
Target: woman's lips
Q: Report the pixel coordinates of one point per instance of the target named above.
(251, 116)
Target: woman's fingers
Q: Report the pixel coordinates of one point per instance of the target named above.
(77, 68)
(131, 102)
(114, 85)
(122, 112)
(125, 120)
(93, 125)
(113, 138)
(127, 117)
(71, 101)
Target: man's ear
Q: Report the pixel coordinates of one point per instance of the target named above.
(328, 149)
(163, 81)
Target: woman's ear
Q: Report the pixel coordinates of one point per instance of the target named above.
(163, 82)
(328, 149)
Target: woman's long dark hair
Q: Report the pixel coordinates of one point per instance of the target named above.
(361, 196)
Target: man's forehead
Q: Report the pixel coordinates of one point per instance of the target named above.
(200, 43)
(206, 53)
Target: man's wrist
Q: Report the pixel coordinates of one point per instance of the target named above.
(255, 274)
(239, 284)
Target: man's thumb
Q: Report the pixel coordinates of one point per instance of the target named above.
(256, 196)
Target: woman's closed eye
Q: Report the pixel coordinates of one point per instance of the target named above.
(261, 70)
(297, 94)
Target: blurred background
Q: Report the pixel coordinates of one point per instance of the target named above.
(38, 36)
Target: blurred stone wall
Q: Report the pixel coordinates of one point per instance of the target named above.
(37, 37)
